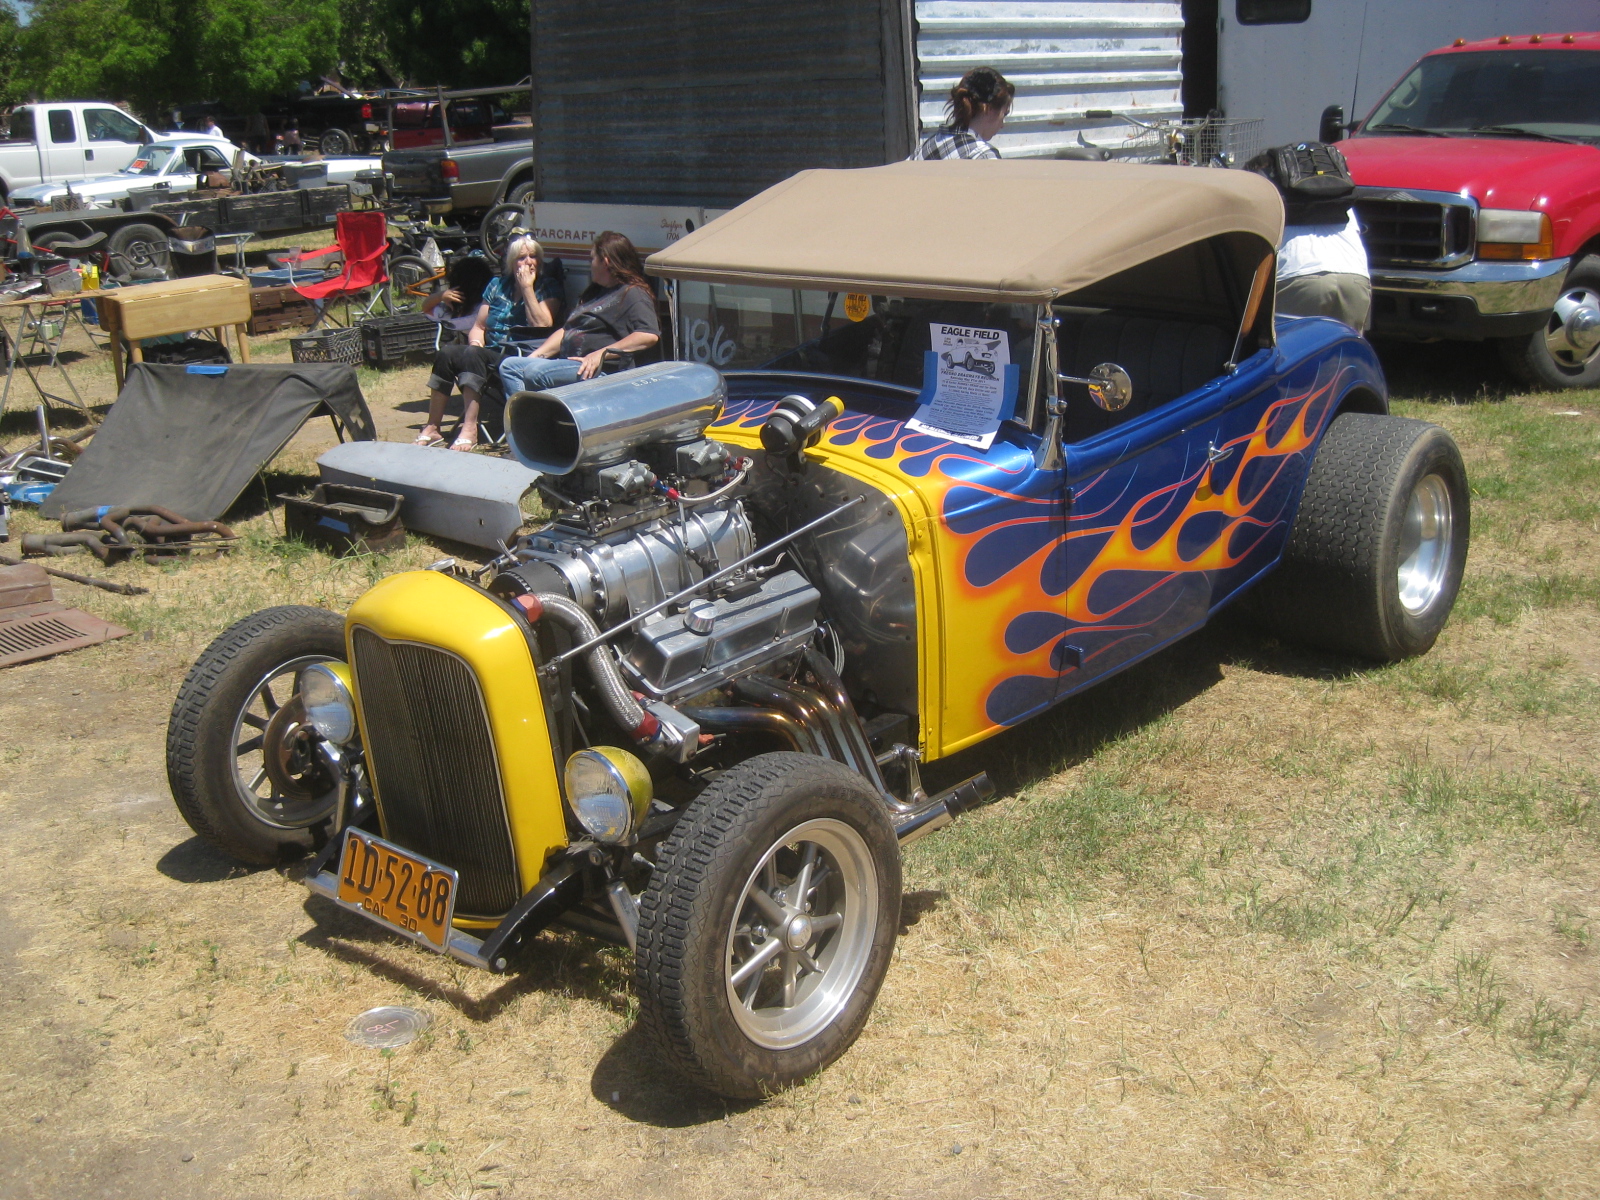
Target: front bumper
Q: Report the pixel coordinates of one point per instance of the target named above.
(1476, 301)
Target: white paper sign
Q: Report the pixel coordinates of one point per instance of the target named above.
(964, 399)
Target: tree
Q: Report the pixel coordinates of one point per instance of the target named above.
(460, 43)
(157, 53)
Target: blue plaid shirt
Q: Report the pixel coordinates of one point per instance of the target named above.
(506, 310)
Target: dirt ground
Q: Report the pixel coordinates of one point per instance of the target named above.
(1247, 922)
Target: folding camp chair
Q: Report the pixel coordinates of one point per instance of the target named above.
(363, 239)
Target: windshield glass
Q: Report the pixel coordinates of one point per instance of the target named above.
(1555, 93)
(884, 338)
(148, 161)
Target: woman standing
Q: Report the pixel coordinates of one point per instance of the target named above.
(616, 314)
(976, 110)
(521, 295)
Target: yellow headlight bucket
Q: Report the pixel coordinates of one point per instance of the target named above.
(609, 790)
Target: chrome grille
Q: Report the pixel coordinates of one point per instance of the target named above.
(1411, 233)
(434, 766)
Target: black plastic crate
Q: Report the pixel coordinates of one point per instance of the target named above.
(386, 340)
(327, 345)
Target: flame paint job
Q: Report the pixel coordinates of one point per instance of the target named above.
(1032, 584)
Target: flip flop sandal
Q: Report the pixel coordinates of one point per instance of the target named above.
(428, 439)
(467, 444)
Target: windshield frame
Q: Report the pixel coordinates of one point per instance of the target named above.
(141, 156)
(1406, 122)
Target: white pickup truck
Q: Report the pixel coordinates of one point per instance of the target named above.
(65, 141)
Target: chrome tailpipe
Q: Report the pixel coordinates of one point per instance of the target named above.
(944, 808)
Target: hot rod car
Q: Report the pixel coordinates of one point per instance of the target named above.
(690, 712)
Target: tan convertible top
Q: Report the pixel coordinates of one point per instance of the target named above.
(1022, 230)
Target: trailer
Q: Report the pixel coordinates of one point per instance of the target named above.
(1288, 60)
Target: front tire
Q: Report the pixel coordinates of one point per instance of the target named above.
(241, 760)
(496, 228)
(1377, 550)
(1565, 352)
(139, 245)
(768, 925)
(406, 272)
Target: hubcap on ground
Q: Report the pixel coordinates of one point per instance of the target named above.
(802, 934)
(1425, 545)
(276, 771)
(1573, 334)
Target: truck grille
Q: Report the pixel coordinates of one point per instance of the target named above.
(1412, 233)
(434, 766)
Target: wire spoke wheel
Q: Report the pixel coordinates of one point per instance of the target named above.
(280, 779)
(802, 934)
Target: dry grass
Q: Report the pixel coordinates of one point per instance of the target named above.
(1249, 922)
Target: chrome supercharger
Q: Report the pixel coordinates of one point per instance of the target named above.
(646, 506)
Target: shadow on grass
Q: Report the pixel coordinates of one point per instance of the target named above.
(196, 861)
(1080, 727)
(632, 1082)
(1446, 372)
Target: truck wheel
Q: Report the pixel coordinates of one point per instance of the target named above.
(1565, 353)
(1377, 549)
(335, 143)
(240, 757)
(139, 245)
(768, 925)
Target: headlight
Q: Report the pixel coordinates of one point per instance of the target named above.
(609, 790)
(1510, 233)
(325, 692)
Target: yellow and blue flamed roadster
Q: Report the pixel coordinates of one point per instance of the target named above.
(820, 550)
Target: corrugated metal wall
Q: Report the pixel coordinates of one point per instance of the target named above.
(706, 102)
(1063, 57)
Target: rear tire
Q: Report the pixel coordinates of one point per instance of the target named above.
(232, 697)
(139, 245)
(1377, 550)
(335, 143)
(1547, 357)
(746, 986)
(404, 272)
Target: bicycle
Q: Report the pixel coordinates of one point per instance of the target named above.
(1210, 141)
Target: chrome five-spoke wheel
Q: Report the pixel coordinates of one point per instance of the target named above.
(802, 934)
(280, 778)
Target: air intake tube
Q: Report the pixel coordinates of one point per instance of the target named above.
(614, 693)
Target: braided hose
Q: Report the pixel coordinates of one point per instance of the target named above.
(614, 693)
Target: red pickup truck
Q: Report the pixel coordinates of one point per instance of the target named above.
(1479, 201)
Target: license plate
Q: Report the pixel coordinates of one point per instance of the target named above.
(397, 887)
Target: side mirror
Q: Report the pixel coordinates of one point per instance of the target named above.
(1110, 387)
(1332, 127)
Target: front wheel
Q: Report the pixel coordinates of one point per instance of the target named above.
(408, 279)
(768, 925)
(1565, 352)
(241, 757)
(1377, 550)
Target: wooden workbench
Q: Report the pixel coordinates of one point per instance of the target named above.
(173, 306)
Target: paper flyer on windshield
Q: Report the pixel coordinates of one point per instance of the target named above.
(969, 384)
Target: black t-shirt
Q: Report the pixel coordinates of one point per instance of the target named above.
(608, 317)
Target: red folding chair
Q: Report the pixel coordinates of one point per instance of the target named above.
(363, 239)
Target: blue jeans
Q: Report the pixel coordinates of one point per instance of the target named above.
(537, 374)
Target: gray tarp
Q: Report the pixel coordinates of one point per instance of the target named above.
(191, 439)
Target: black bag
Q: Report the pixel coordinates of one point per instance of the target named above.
(1313, 179)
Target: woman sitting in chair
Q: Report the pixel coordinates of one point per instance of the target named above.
(615, 317)
(522, 295)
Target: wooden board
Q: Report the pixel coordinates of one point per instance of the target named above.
(25, 583)
(175, 306)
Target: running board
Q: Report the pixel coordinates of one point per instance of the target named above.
(944, 809)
